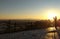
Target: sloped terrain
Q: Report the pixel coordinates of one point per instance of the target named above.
(31, 34)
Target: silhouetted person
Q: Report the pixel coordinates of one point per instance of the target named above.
(55, 22)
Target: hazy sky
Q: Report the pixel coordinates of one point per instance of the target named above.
(26, 9)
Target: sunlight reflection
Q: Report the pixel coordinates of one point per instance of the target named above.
(49, 36)
(52, 36)
(51, 29)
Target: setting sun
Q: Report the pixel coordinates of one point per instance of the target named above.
(51, 15)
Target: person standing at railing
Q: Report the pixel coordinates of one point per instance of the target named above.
(55, 22)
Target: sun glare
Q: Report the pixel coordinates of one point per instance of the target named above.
(51, 15)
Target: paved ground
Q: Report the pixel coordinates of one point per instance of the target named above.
(32, 34)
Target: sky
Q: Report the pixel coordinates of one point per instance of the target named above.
(28, 9)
